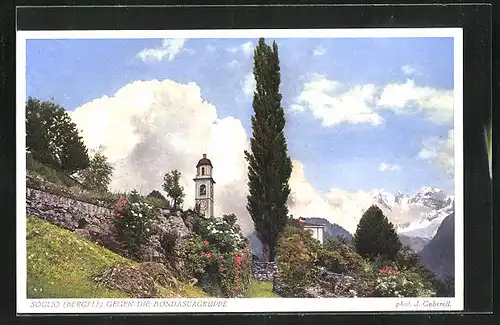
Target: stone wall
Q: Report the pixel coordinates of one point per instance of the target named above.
(264, 271)
(96, 223)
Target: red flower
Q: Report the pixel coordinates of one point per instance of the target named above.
(124, 201)
(112, 207)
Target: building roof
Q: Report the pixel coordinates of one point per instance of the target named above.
(310, 225)
(204, 162)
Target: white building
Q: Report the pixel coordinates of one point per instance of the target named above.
(316, 230)
(204, 187)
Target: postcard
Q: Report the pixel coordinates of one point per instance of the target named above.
(220, 171)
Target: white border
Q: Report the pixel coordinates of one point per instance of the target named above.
(27, 306)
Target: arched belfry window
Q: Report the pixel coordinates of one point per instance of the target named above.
(203, 190)
(203, 170)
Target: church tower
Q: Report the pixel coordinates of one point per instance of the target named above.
(204, 187)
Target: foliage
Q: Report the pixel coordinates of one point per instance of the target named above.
(158, 200)
(97, 176)
(337, 257)
(218, 257)
(296, 264)
(224, 234)
(48, 174)
(270, 166)
(61, 264)
(375, 237)
(53, 138)
(392, 282)
(135, 221)
(175, 191)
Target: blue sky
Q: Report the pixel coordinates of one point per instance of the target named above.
(343, 155)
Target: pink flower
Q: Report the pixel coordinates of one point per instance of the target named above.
(124, 201)
(222, 256)
(112, 207)
(205, 242)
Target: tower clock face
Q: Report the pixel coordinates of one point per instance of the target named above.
(203, 205)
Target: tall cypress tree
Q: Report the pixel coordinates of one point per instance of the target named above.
(375, 236)
(270, 166)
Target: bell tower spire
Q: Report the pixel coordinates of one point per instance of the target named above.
(204, 187)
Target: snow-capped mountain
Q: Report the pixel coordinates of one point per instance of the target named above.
(419, 215)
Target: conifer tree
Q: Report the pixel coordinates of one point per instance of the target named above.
(270, 166)
(375, 237)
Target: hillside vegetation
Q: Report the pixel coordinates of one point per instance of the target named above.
(60, 264)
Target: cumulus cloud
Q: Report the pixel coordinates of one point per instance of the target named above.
(328, 101)
(249, 84)
(151, 127)
(319, 51)
(169, 49)
(384, 167)
(148, 128)
(406, 98)
(440, 152)
(339, 206)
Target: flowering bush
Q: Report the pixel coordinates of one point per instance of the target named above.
(218, 257)
(393, 283)
(223, 233)
(135, 222)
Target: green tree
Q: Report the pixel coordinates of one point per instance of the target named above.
(375, 237)
(53, 138)
(175, 191)
(97, 175)
(270, 166)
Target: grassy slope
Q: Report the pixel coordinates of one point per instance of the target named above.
(60, 264)
(262, 289)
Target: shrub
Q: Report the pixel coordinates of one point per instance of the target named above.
(97, 176)
(296, 265)
(135, 222)
(375, 236)
(224, 235)
(394, 283)
(219, 274)
(339, 258)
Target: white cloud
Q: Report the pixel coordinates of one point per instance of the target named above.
(408, 69)
(327, 101)
(384, 167)
(151, 127)
(407, 98)
(233, 64)
(168, 50)
(319, 51)
(440, 152)
(249, 84)
(339, 206)
(247, 48)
